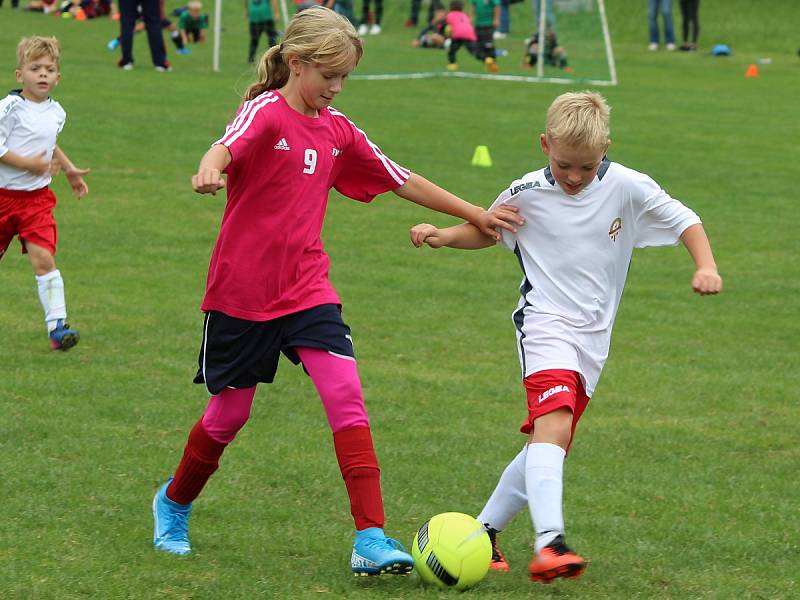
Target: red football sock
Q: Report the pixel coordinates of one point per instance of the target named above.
(362, 477)
(200, 460)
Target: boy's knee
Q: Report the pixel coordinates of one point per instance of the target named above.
(41, 259)
(554, 428)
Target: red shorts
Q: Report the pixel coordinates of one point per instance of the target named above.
(552, 389)
(30, 216)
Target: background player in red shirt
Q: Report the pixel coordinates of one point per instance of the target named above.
(268, 290)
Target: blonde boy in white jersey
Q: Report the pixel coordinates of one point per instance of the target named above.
(30, 121)
(581, 217)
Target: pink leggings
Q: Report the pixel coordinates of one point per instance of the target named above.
(336, 380)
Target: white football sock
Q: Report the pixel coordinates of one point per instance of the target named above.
(544, 482)
(509, 497)
(51, 295)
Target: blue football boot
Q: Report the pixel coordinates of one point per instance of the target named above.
(376, 554)
(62, 337)
(171, 523)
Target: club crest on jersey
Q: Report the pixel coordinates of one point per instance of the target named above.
(282, 145)
(616, 227)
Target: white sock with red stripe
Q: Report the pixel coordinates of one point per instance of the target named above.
(544, 482)
(509, 496)
(51, 295)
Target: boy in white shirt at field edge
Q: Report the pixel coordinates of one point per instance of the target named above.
(30, 121)
(583, 216)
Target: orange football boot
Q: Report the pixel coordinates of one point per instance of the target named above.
(498, 560)
(556, 560)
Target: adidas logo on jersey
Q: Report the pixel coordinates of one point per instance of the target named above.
(282, 145)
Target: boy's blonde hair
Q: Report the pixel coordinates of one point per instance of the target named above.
(36, 46)
(579, 119)
(315, 35)
(194, 5)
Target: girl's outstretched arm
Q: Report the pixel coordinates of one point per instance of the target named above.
(208, 179)
(425, 193)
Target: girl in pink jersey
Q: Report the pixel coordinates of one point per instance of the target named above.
(268, 290)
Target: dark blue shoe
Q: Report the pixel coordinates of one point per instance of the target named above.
(62, 337)
(170, 523)
(376, 554)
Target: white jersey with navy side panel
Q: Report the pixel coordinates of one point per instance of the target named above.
(575, 251)
(27, 128)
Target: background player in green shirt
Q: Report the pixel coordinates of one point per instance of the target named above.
(261, 16)
(193, 23)
(487, 18)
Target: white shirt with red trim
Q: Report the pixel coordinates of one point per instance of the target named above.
(268, 260)
(575, 251)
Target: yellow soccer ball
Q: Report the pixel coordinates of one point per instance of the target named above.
(452, 550)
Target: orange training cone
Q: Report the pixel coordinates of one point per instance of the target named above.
(752, 71)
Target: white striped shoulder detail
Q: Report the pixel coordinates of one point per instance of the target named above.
(398, 173)
(9, 103)
(245, 117)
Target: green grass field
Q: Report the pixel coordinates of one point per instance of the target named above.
(682, 482)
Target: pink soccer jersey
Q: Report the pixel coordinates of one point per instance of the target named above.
(268, 260)
(460, 26)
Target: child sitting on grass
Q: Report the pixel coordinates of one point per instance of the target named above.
(192, 23)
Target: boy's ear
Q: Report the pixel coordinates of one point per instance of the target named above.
(18, 75)
(543, 144)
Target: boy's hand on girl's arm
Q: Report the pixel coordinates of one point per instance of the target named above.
(706, 281)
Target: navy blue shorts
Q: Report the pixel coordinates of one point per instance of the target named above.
(238, 353)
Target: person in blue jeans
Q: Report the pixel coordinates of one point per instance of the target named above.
(665, 8)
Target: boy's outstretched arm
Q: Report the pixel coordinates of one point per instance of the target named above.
(464, 237)
(208, 179)
(425, 193)
(74, 174)
(706, 279)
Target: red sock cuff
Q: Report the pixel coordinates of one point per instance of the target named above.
(203, 445)
(200, 460)
(354, 449)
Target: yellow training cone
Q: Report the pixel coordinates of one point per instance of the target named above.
(481, 157)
